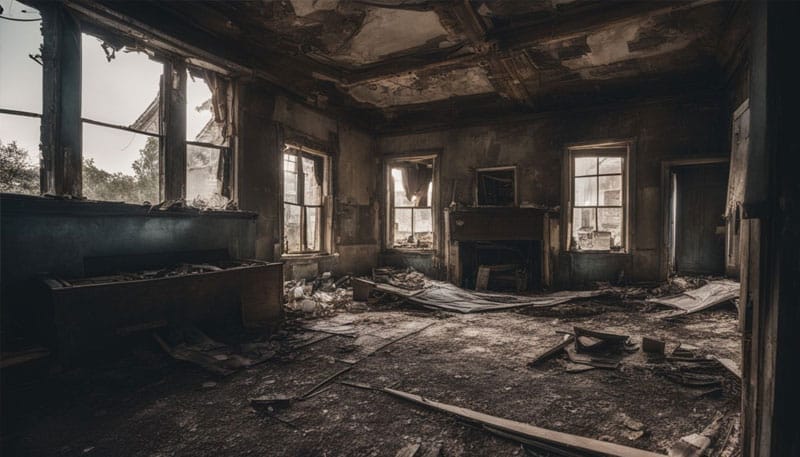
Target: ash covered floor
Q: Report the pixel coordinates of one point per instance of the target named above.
(147, 404)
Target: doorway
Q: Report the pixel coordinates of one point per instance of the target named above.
(697, 218)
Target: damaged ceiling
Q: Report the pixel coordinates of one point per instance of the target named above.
(389, 56)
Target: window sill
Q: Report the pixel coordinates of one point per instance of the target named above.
(599, 252)
(409, 251)
(308, 256)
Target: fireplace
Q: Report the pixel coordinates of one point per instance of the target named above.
(501, 249)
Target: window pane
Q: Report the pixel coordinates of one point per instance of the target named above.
(400, 198)
(289, 178)
(423, 228)
(200, 125)
(583, 226)
(203, 186)
(20, 76)
(609, 165)
(123, 91)
(120, 165)
(402, 227)
(585, 166)
(312, 181)
(611, 190)
(19, 154)
(610, 220)
(586, 191)
(291, 228)
(314, 228)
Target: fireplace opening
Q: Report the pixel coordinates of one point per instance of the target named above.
(502, 266)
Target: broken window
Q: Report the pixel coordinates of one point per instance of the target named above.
(305, 177)
(496, 186)
(598, 198)
(410, 196)
(121, 124)
(20, 100)
(208, 156)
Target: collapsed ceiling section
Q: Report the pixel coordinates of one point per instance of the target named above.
(383, 55)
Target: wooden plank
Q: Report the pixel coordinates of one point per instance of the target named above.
(522, 431)
(553, 350)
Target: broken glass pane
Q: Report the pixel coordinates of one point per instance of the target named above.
(120, 165)
(402, 227)
(583, 227)
(200, 124)
(312, 181)
(20, 75)
(123, 91)
(610, 220)
(423, 228)
(610, 165)
(314, 228)
(203, 187)
(610, 190)
(289, 178)
(19, 154)
(292, 235)
(586, 191)
(585, 166)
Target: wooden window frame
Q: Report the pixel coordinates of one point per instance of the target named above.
(390, 207)
(596, 150)
(301, 152)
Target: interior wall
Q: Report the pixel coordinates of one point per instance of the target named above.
(268, 120)
(661, 129)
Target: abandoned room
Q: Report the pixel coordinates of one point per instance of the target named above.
(399, 228)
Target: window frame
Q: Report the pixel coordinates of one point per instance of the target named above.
(388, 188)
(301, 152)
(596, 149)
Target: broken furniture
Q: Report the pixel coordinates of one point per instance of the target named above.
(87, 311)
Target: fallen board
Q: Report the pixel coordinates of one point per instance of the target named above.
(527, 431)
(444, 295)
(692, 301)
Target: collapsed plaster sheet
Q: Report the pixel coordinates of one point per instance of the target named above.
(386, 31)
(711, 294)
(613, 45)
(453, 298)
(411, 88)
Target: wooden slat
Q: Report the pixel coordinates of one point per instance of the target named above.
(527, 431)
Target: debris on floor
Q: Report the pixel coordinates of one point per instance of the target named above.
(692, 301)
(321, 297)
(408, 279)
(446, 296)
(530, 435)
(189, 344)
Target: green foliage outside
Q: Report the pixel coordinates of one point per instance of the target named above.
(17, 175)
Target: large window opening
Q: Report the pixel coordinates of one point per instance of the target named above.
(599, 200)
(20, 99)
(305, 182)
(121, 123)
(410, 190)
(208, 155)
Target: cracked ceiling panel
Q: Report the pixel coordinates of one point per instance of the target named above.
(410, 89)
(386, 32)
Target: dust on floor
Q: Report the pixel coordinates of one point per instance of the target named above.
(146, 404)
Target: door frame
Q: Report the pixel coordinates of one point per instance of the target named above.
(666, 191)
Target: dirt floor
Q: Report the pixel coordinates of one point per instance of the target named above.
(147, 404)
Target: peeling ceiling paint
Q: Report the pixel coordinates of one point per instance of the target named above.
(304, 8)
(386, 31)
(411, 88)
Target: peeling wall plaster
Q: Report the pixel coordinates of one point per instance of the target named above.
(386, 31)
(410, 88)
